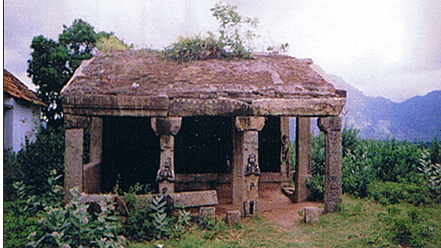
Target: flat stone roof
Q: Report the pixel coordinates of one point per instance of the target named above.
(142, 83)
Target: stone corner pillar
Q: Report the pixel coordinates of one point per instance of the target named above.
(166, 128)
(303, 158)
(73, 158)
(246, 170)
(332, 127)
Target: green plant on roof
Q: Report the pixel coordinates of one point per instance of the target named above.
(234, 38)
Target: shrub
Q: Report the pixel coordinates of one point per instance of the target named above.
(393, 193)
(38, 159)
(233, 41)
(194, 48)
(406, 229)
(73, 225)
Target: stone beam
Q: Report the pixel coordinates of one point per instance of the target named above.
(299, 106)
(332, 126)
(184, 199)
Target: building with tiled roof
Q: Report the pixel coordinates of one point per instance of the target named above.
(22, 113)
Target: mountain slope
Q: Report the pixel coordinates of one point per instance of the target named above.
(416, 119)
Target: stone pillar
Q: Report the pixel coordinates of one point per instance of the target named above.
(245, 163)
(73, 158)
(166, 128)
(303, 158)
(285, 163)
(332, 126)
(92, 170)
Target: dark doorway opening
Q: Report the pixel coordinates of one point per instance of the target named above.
(130, 153)
(269, 145)
(204, 145)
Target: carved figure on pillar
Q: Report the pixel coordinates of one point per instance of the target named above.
(252, 173)
(252, 166)
(165, 172)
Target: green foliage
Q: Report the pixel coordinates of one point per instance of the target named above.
(406, 229)
(106, 40)
(233, 40)
(393, 193)
(388, 171)
(431, 169)
(40, 158)
(148, 220)
(231, 31)
(80, 40)
(73, 225)
(49, 73)
(53, 63)
(194, 48)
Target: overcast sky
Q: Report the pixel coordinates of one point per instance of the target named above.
(384, 48)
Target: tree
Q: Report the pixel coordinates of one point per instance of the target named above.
(53, 64)
(49, 72)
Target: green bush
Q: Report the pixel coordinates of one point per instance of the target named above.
(393, 193)
(407, 229)
(195, 48)
(39, 158)
(233, 41)
(73, 226)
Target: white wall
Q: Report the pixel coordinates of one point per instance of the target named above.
(21, 122)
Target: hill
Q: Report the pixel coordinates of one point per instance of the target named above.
(416, 119)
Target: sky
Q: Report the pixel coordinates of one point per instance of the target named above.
(387, 48)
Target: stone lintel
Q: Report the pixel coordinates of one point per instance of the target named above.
(299, 106)
(95, 101)
(166, 126)
(330, 124)
(184, 199)
(249, 123)
(115, 112)
(210, 107)
(76, 121)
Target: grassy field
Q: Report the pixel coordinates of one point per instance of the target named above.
(359, 223)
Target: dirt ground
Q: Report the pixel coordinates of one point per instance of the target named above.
(273, 204)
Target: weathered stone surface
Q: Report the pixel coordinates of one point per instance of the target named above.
(311, 214)
(76, 121)
(92, 174)
(96, 139)
(184, 199)
(249, 123)
(329, 124)
(220, 106)
(207, 212)
(115, 101)
(196, 198)
(333, 160)
(303, 158)
(166, 126)
(299, 106)
(233, 218)
(333, 174)
(73, 160)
